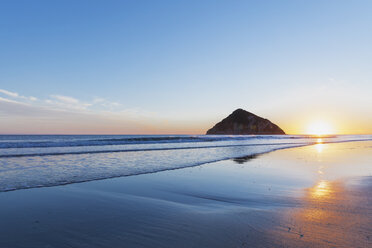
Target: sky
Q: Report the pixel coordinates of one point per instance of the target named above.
(178, 67)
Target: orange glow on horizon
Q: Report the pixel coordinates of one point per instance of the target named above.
(320, 128)
(305, 123)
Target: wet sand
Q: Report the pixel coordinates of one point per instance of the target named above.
(314, 196)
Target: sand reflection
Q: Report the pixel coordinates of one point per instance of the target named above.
(319, 203)
(336, 210)
(322, 189)
(324, 219)
(330, 215)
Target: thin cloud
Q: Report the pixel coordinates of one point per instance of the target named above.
(62, 102)
(65, 114)
(9, 93)
(98, 100)
(2, 99)
(44, 118)
(16, 95)
(65, 99)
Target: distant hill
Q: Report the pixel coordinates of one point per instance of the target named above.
(244, 122)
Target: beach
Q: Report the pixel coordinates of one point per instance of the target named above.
(185, 124)
(310, 196)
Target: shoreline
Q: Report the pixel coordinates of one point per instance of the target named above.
(159, 171)
(127, 163)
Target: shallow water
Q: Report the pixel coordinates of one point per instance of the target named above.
(29, 161)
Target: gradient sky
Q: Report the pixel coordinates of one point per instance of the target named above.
(74, 66)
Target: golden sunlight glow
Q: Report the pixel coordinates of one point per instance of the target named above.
(319, 128)
(319, 147)
(321, 189)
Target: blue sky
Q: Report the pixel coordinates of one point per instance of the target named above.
(180, 66)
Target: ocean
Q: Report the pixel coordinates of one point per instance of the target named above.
(30, 161)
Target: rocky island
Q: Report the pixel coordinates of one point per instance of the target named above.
(242, 122)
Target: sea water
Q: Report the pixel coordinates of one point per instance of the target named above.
(28, 161)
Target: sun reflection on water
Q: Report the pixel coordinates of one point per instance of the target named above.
(322, 189)
(319, 148)
(331, 211)
(319, 145)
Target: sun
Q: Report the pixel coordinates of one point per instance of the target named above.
(319, 128)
